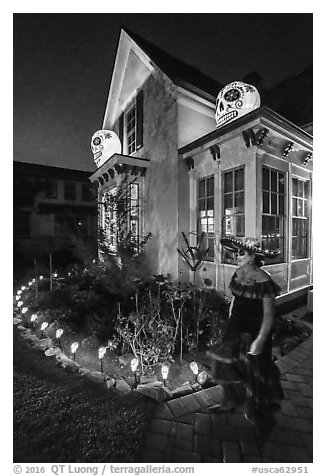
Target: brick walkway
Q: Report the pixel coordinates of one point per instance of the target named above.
(183, 431)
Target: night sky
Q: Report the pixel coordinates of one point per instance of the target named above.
(63, 65)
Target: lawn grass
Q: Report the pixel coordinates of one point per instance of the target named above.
(63, 417)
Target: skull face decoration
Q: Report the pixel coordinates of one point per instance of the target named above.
(235, 100)
(104, 144)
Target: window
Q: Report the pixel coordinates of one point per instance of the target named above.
(233, 208)
(206, 213)
(87, 192)
(233, 203)
(129, 125)
(131, 129)
(300, 220)
(70, 191)
(273, 217)
(122, 214)
(51, 190)
(22, 226)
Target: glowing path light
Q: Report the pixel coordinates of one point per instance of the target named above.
(74, 347)
(20, 303)
(33, 318)
(43, 327)
(101, 354)
(194, 368)
(58, 334)
(24, 310)
(165, 372)
(134, 365)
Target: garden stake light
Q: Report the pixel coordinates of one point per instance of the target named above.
(134, 365)
(23, 288)
(43, 327)
(20, 303)
(24, 310)
(33, 319)
(194, 368)
(58, 334)
(101, 354)
(74, 347)
(165, 372)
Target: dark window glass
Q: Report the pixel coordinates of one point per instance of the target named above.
(228, 182)
(239, 201)
(239, 180)
(265, 179)
(273, 181)
(265, 202)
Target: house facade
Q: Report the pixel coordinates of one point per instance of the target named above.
(248, 177)
(50, 202)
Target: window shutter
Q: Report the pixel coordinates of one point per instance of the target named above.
(121, 127)
(139, 112)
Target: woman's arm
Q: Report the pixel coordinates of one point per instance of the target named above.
(257, 345)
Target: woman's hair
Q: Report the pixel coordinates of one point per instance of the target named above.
(258, 261)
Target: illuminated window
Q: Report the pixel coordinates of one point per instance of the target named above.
(273, 217)
(300, 218)
(206, 213)
(233, 207)
(122, 219)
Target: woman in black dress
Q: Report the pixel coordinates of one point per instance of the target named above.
(243, 362)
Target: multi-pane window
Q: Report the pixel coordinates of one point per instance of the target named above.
(131, 129)
(300, 220)
(206, 213)
(51, 190)
(70, 191)
(122, 218)
(233, 203)
(273, 217)
(22, 226)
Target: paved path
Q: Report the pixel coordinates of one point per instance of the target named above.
(183, 431)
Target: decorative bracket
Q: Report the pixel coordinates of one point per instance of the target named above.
(307, 159)
(288, 149)
(190, 163)
(216, 153)
(254, 138)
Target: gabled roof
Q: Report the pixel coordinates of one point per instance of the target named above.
(293, 97)
(179, 72)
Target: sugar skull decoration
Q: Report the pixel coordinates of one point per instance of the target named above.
(235, 100)
(105, 144)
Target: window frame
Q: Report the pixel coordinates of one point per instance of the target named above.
(54, 183)
(209, 236)
(305, 199)
(227, 257)
(276, 216)
(132, 132)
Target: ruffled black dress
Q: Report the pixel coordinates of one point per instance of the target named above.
(252, 381)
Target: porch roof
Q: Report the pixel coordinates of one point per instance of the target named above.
(120, 164)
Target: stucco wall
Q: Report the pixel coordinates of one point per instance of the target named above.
(161, 185)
